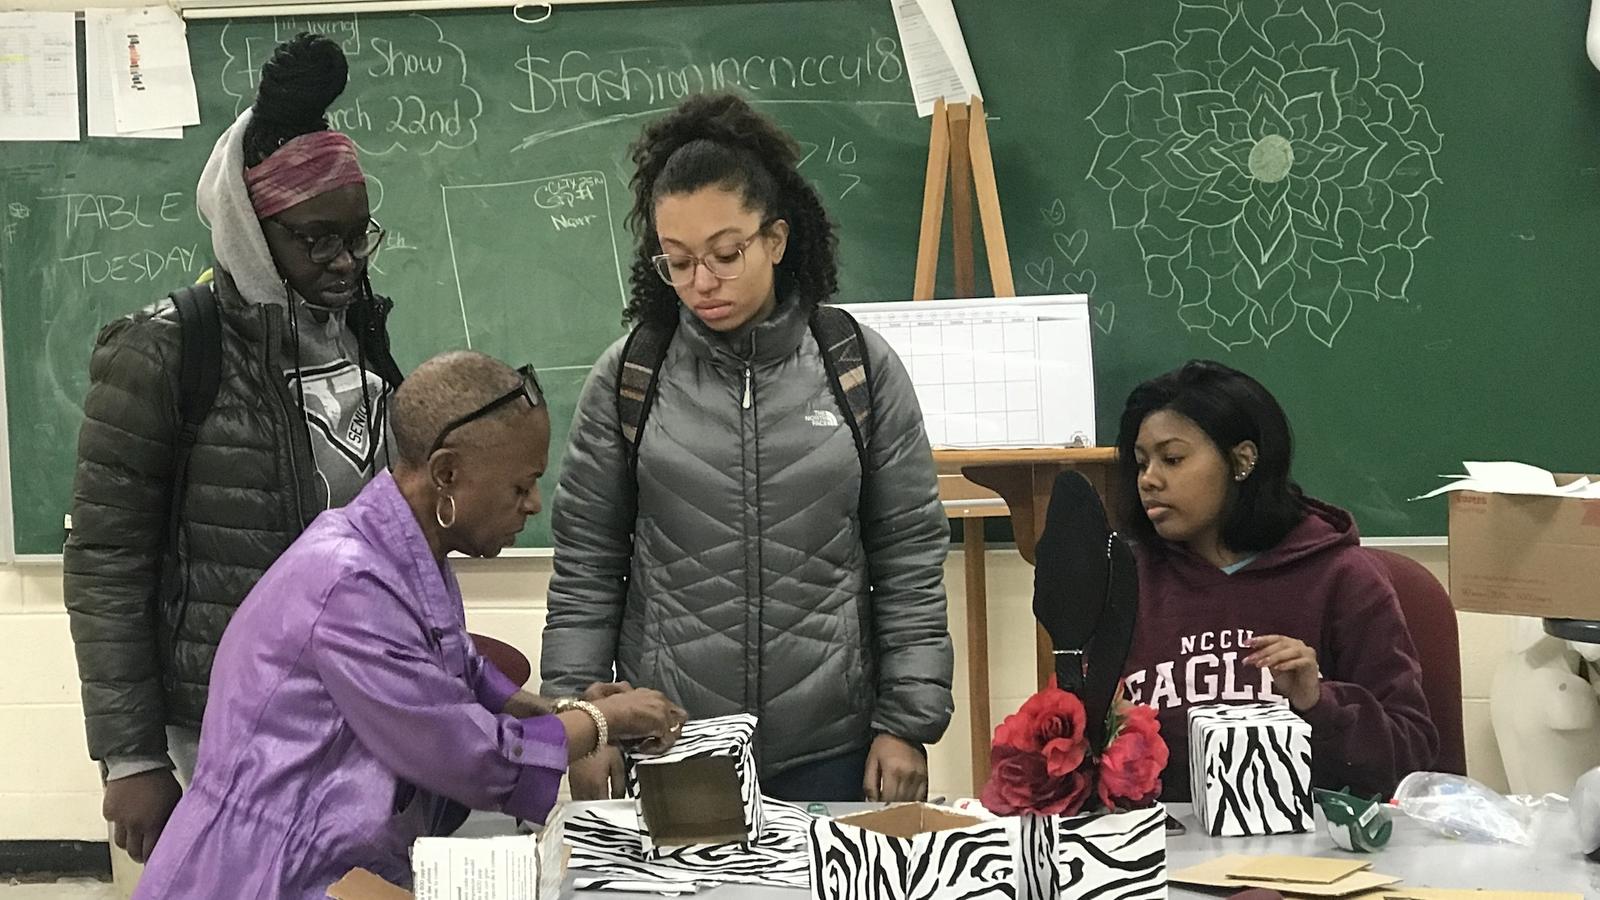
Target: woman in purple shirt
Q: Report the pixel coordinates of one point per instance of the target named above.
(348, 706)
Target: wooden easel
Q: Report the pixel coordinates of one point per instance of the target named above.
(959, 146)
(978, 484)
(958, 152)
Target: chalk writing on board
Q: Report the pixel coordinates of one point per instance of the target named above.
(836, 159)
(115, 212)
(409, 85)
(108, 237)
(576, 79)
(395, 249)
(560, 226)
(344, 29)
(1272, 162)
(171, 264)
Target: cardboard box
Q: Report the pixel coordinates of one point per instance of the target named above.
(916, 851)
(1525, 555)
(508, 867)
(703, 792)
(1250, 769)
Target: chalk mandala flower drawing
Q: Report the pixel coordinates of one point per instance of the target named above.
(1273, 162)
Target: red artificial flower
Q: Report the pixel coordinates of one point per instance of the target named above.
(1020, 782)
(1130, 768)
(1050, 722)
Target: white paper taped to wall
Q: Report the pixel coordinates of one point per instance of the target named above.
(936, 54)
(38, 76)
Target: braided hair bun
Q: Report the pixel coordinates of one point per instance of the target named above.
(303, 78)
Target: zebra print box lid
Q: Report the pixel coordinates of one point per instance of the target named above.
(1250, 769)
(703, 792)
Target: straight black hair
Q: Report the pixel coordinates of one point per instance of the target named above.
(1231, 408)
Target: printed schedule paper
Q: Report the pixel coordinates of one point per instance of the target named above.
(997, 372)
(38, 76)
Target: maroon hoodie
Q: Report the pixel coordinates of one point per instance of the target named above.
(1370, 727)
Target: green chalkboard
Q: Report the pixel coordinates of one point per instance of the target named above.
(1384, 210)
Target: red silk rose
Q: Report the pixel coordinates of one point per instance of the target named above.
(1020, 782)
(1051, 718)
(1130, 768)
(1042, 762)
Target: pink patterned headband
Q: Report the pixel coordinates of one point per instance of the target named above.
(305, 167)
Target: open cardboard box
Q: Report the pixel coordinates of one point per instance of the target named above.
(692, 802)
(704, 791)
(917, 851)
(1526, 555)
(907, 820)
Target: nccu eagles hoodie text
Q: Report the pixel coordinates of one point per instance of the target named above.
(1370, 727)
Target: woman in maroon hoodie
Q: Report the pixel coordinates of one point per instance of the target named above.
(1250, 590)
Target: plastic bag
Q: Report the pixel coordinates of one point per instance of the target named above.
(1459, 807)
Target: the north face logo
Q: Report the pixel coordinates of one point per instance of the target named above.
(822, 418)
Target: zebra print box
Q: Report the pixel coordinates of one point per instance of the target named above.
(1250, 769)
(704, 792)
(915, 851)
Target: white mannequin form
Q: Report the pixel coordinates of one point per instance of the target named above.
(1546, 715)
(1593, 42)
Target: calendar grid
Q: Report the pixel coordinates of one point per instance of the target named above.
(982, 369)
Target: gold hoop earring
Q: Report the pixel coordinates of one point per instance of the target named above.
(438, 516)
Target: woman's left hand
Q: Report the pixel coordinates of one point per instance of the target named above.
(896, 771)
(1293, 665)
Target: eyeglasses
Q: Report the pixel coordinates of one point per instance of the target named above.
(726, 263)
(528, 388)
(325, 248)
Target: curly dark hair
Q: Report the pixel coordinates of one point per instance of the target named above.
(719, 139)
(298, 84)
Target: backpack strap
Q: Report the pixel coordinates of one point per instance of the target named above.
(199, 372)
(844, 355)
(637, 377)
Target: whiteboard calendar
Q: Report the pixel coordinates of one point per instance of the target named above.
(995, 372)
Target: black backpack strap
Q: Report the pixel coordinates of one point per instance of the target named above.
(637, 376)
(199, 372)
(844, 355)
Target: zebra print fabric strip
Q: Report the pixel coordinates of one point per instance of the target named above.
(606, 841)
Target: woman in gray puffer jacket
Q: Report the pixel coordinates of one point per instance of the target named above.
(730, 544)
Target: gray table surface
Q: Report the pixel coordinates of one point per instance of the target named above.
(1414, 854)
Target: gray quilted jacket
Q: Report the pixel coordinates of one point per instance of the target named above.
(747, 571)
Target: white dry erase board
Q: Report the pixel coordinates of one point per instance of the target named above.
(995, 372)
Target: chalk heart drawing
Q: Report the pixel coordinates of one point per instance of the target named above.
(1081, 282)
(1041, 273)
(1072, 246)
(1105, 316)
(1273, 162)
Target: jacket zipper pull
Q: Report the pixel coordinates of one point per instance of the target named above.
(746, 387)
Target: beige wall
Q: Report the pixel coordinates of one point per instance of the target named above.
(49, 789)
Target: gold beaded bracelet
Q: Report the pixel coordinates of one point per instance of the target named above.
(602, 730)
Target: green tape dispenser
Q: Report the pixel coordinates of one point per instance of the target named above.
(1355, 823)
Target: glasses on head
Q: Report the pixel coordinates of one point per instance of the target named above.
(528, 388)
(725, 263)
(325, 248)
